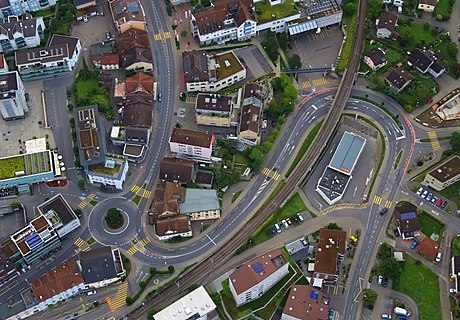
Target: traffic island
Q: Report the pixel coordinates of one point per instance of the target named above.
(114, 219)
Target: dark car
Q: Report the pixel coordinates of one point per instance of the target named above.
(444, 204)
(396, 232)
(383, 211)
(108, 36)
(384, 282)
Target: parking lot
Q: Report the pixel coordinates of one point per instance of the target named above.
(256, 62)
(10, 222)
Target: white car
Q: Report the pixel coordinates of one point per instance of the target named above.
(90, 293)
(452, 291)
(419, 191)
(285, 224)
(85, 19)
(424, 194)
(380, 280)
(438, 257)
(304, 242)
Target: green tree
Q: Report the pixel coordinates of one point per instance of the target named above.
(271, 46)
(85, 74)
(15, 205)
(171, 269)
(113, 217)
(384, 251)
(81, 182)
(169, 9)
(369, 298)
(390, 268)
(205, 3)
(183, 33)
(295, 62)
(455, 141)
(283, 41)
(350, 8)
(256, 156)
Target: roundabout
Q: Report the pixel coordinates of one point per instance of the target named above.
(114, 232)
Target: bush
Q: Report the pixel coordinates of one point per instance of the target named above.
(171, 269)
(15, 205)
(129, 301)
(153, 270)
(113, 217)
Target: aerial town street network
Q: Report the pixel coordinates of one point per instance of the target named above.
(230, 159)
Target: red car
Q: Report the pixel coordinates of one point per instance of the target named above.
(430, 101)
(438, 204)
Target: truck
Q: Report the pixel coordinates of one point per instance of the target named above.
(402, 311)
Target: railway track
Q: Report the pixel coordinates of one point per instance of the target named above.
(201, 272)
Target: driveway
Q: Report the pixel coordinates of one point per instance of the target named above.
(387, 301)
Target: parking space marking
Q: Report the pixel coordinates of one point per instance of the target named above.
(190, 100)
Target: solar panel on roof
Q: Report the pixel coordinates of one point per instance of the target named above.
(33, 240)
(257, 267)
(133, 7)
(314, 295)
(408, 215)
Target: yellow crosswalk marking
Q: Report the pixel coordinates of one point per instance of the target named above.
(110, 304)
(434, 140)
(144, 242)
(377, 199)
(157, 36)
(276, 176)
(266, 171)
(135, 189)
(166, 35)
(146, 194)
(132, 250)
(306, 84)
(388, 204)
(319, 82)
(91, 196)
(82, 204)
(86, 249)
(79, 242)
(122, 293)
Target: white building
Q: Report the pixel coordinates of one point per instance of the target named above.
(195, 305)
(111, 173)
(19, 7)
(60, 57)
(252, 279)
(211, 73)
(192, 144)
(62, 283)
(101, 267)
(19, 33)
(13, 104)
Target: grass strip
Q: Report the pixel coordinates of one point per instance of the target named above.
(350, 28)
(305, 145)
(381, 106)
(136, 199)
(236, 195)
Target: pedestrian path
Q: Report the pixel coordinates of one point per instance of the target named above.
(140, 191)
(162, 36)
(314, 83)
(120, 298)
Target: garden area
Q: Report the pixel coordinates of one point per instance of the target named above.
(350, 23)
(9, 166)
(422, 285)
(443, 10)
(430, 224)
(89, 91)
(455, 246)
(266, 12)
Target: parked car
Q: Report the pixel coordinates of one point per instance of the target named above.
(396, 232)
(444, 204)
(424, 194)
(379, 280)
(434, 199)
(383, 211)
(452, 291)
(439, 203)
(85, 19)
(384, 282)
(414, 244)
(438, 257)
(385, 316)
(419, 191)
(278, 228)
(108, 36)
(429, 196)
(301, 219)
(285, 224)
(90, 293)
(304, 242)
(159, 97)
(439, 29)
(288, 221)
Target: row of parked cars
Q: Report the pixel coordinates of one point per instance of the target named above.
(5, 192)
(285, 223)
(428, 196)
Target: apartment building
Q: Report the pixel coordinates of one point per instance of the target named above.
(195, 305)
(250, 115)
(21, 32)
(58, 58)
(386, 25)
(135, 50)
(127, 14)
(191, 144)
(101, 267)
(330, 252)
(427, 62)
(100, 167)
(214, 110)
(13, 103)
(255, 277)
(444, 175)
(213, 73)
(306, 303)
(19, 7)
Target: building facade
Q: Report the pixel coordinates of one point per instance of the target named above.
(444, 175)
(59, 58)
(252, 279)
(18, 7)
(112, 173)
(13, 103)
(127, 15)
(214, 110)
(21, 32)
(191, 144)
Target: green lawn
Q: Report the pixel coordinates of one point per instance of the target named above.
(305, 145)
(265, 11)
(443, 10)
(63, 28)
(44, 12)
(351, 22)
(236, 195)
(90, 91)
(452, 193)
(178, 239)
(455, 247)
(136, 199)
(422, 285)
(418, 91)
(126, 264)
(419, 33)
(430, 224)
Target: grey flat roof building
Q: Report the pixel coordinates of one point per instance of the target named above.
(199, 200)
(334, 181)
(347, 153)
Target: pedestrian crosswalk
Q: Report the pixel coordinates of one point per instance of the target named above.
(146, 194)
(110, 304)
(271, 174)
(434, 140)
(82, 204)
(79, 242)
(314, 83)
(162, 36)
(190, 100)
(135, 189)
(132, 250)
(120, 298)
(377, 199)
(388, 204)
(138, 246)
